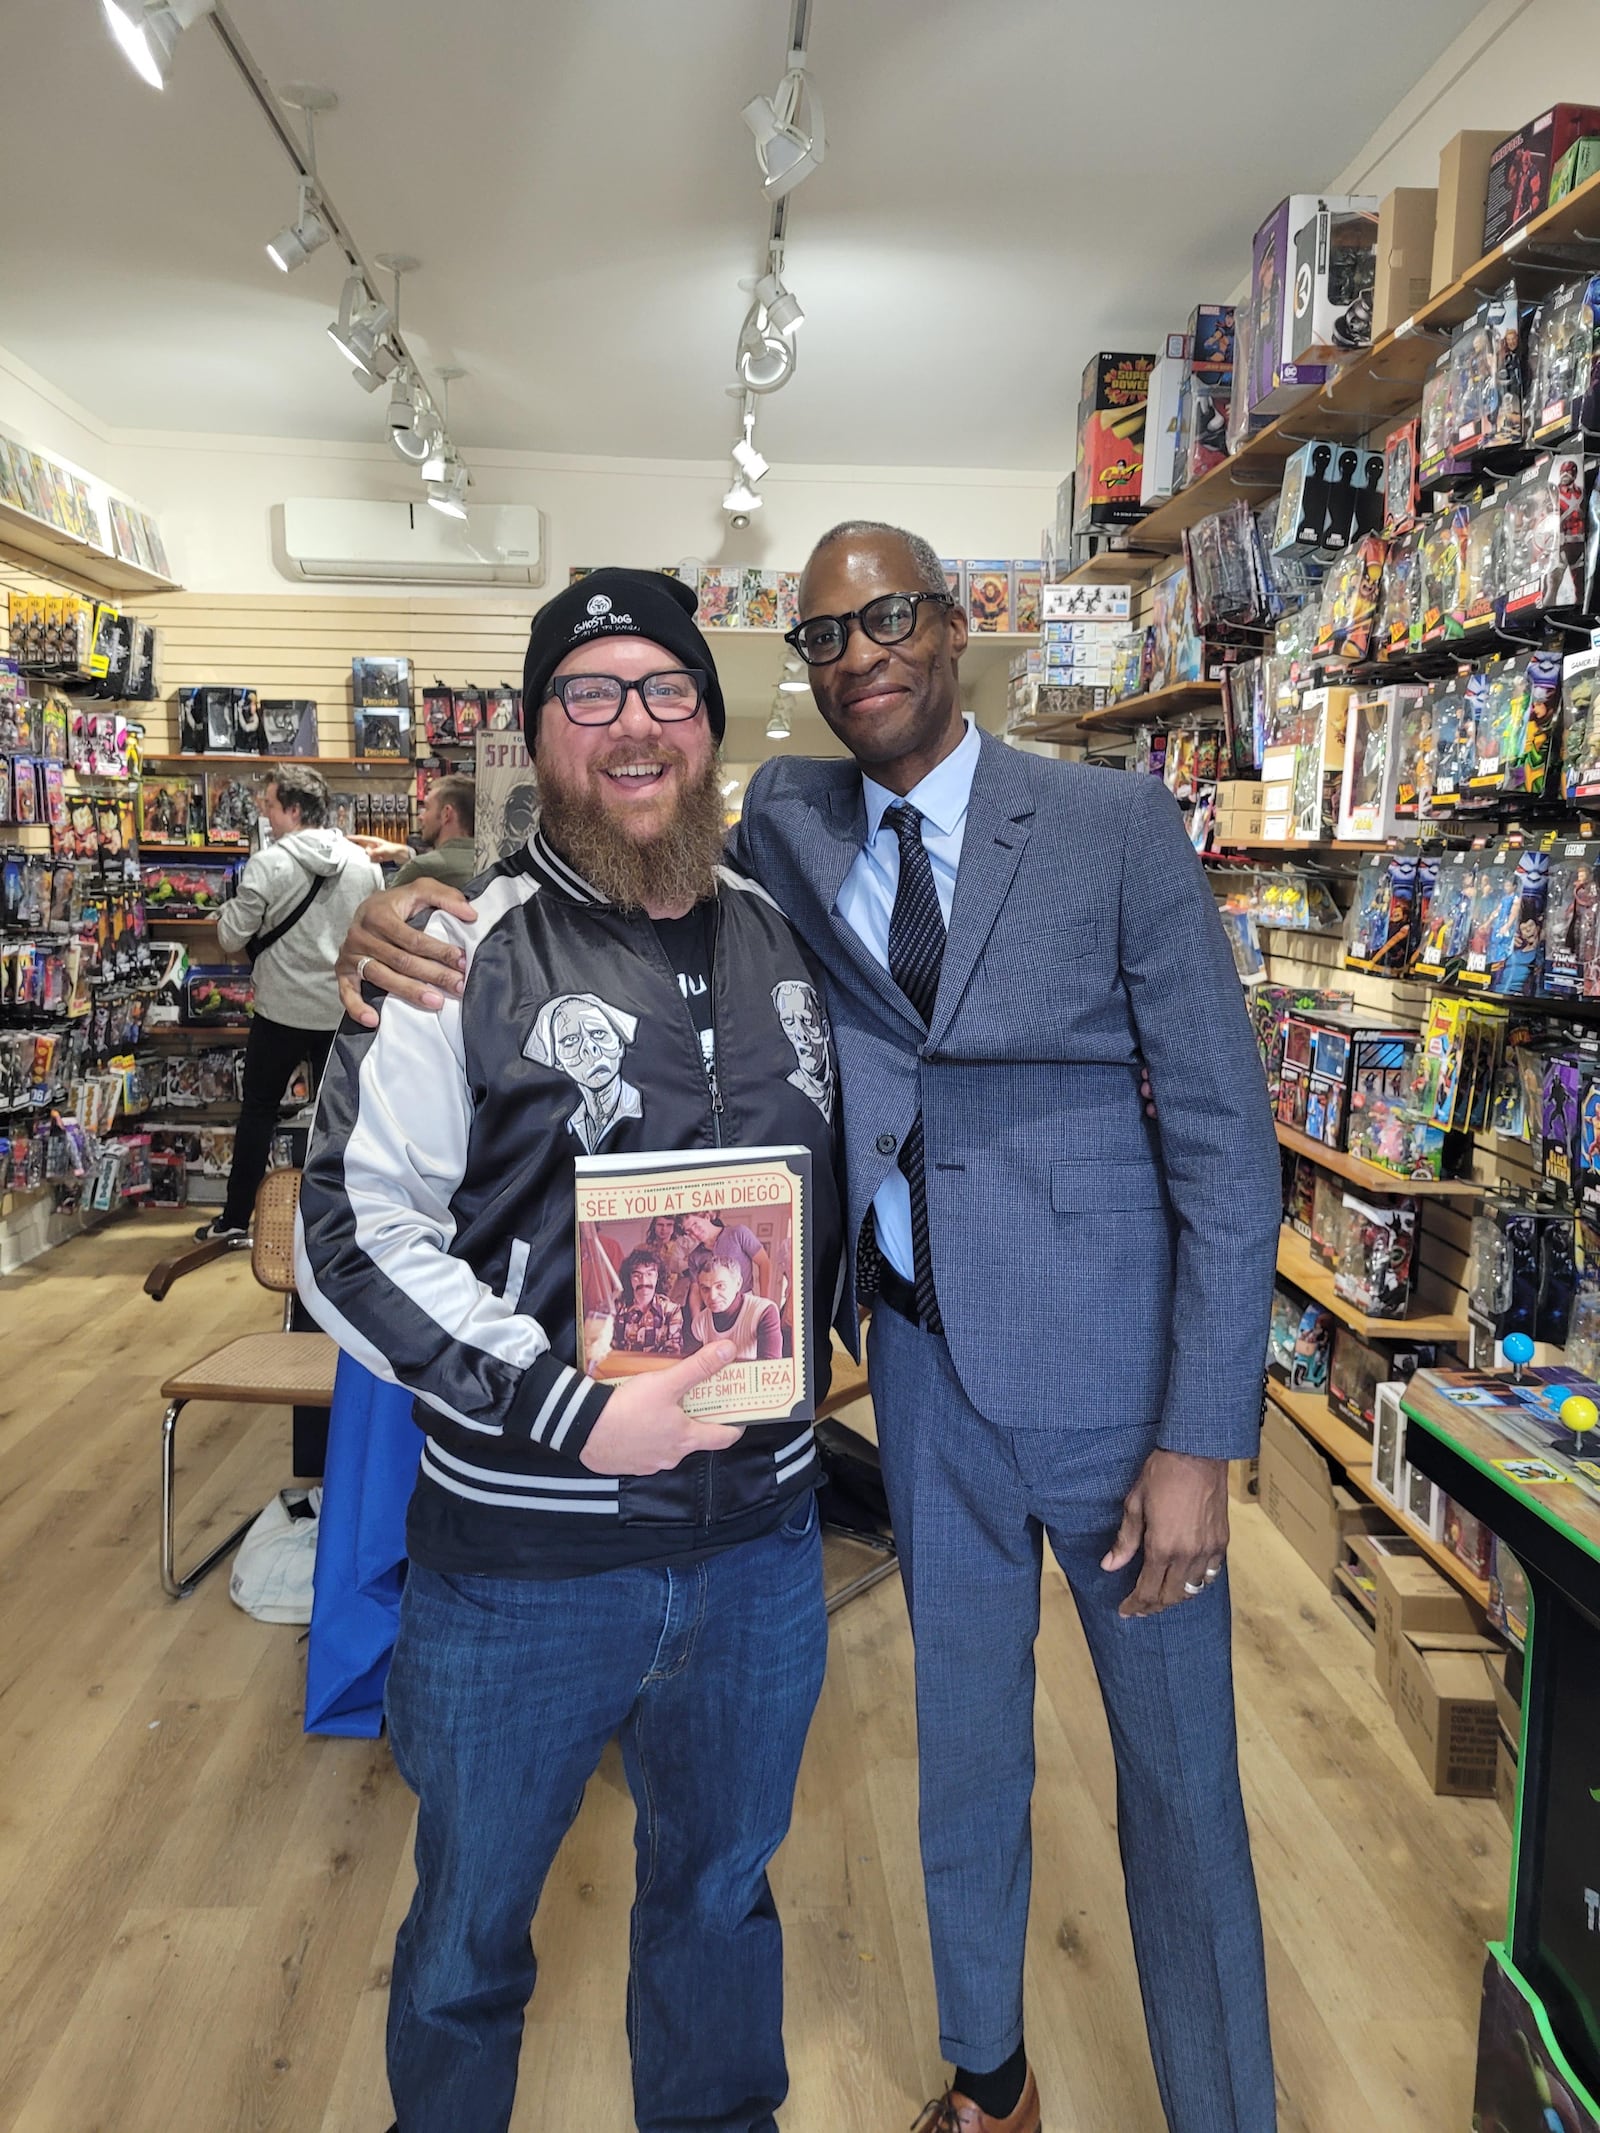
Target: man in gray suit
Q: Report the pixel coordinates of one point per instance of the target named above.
(1072, 1298)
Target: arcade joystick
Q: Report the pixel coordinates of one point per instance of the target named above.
(1580, 1416)
(1519, 1354)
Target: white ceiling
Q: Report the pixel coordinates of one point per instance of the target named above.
(1050, 176)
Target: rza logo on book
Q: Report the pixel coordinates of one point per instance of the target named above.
(599, 605)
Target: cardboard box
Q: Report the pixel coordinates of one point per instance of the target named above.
(1335, 263)
(1520, 169)
(1458, 223)
(1298, 1493)
(1414, 1600)
(1244, 1480)
(1576, 168)
(1161, 424)
(1276, 380)
(1406, 220)
(1505, 1686)
(1505, 1780)
(1111, 419)
(1446, 1717)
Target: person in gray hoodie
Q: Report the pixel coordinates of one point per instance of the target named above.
(290, 915)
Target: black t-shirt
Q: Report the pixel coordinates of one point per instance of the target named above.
(687, 944)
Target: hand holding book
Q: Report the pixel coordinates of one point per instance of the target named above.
(642, 1427)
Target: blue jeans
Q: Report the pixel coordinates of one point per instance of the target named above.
(503, 1693)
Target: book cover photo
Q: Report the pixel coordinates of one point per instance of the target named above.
(678, 1250)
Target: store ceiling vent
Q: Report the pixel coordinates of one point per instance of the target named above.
(360, 543)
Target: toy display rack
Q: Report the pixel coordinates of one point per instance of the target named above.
(1352, 1453)
(1375, 386)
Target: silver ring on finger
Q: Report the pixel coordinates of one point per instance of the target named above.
(1213, 1573)
(1193, 1590)
(361, 968)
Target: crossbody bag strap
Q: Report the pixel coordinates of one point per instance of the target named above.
(258, 947)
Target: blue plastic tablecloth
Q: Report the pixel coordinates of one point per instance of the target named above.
(373, 1451)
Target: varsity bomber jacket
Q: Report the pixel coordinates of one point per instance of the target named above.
(436, 1227)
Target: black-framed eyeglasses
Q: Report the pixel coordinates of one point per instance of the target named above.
(671, 696)
(890, 619)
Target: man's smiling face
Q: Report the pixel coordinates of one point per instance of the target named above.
(636, 770)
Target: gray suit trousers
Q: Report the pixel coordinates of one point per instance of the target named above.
(971, 1502)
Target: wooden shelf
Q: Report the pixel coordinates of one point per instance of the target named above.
(33, 541)
(1352, 1452)
(1381, 382)
(1117, 566)
(1296, 1265)
(1372, 1175)
(1294, 844)
(1311, 1412)
(1176, 702)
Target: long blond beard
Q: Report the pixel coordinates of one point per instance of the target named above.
(678, 867)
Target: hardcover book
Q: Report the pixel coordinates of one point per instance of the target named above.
(676, 1251)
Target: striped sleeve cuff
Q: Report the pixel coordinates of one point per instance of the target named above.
(556, 1406)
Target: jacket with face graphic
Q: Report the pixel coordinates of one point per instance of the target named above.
(437, 1216)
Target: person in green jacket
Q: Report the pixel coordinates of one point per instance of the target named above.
(446, 828)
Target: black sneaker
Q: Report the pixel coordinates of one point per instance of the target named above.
(218, 1231)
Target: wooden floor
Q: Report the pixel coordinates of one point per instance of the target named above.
(197, 1903)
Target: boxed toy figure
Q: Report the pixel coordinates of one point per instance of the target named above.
(172, 811)
(1375, 1270)
(1335, 266)
(220, 996)
(1543, 541)
(1371, 766)
(1349, 605)
(1398, 618)
(1564, 386)
(1520, 168)
(1580, 744)
(1506, 936)
(1159, 473)
(1378, 931)
(1402, 495)
(1276, 380)
(1487, 361)
(1444, 946)
(1111, 419)
(1382, 1131)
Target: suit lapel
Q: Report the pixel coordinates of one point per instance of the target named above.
(839, 823)
(999, 816)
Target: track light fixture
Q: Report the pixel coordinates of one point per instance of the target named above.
(765, 357)
(778, 725)
(415, 430)
(741, 500)
(782, 309)
(788, 146)
(745, 456)
(148, 32)
(297, 240)
(449, 493)
(358, 333)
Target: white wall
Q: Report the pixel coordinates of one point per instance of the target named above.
(1512, 62)
(214, 496)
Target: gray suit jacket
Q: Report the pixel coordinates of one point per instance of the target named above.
(1094, 1267)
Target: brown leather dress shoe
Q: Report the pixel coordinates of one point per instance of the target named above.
(954, 2113)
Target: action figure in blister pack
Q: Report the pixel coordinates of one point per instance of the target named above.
(1444, 943)
(1443, 563)
(1437, 423)
(1418, 769)
(1350, 601)
(1580, 738)
(1478, 601)
(1537, 700)
(1391, 634)
(1400, 490)
(1563, 394)
(1572, 920)
(1504, 945)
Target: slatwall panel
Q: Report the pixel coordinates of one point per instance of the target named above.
(1300, 959)
(14, 577)
(289, 646)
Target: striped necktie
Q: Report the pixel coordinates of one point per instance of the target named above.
(916, 951)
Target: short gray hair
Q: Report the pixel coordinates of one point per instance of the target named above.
(930, 571)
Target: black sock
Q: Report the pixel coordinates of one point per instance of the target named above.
(998, 2094)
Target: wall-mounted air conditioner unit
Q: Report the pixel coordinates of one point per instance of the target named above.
(359, 543)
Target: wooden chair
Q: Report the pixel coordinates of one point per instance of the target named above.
(284, 1369)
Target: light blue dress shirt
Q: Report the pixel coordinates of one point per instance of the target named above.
(866, 904)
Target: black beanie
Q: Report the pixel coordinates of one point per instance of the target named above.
(617, 603)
